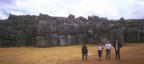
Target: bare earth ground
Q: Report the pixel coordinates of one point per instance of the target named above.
(130, 54)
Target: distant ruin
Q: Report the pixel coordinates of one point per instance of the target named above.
(45, 30)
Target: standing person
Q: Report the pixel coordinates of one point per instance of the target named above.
(100, 48)
(108, 50)
(84, 51)
(117, 47)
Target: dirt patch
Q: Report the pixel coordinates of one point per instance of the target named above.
(130, 54)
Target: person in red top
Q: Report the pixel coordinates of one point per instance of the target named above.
(84, 51)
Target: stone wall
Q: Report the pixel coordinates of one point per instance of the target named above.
(117, 34)
(45, 30)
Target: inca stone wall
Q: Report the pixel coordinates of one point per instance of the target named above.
(45, 30)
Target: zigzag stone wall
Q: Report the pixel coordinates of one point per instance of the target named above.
(45, 30)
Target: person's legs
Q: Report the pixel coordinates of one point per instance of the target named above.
(109, 54)
(99, 53)
(85, 55)
(118, 53)
(82, 55)
(106, 53)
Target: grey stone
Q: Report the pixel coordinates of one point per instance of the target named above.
(7, 43)
(90, 40)
(62, 40)
(12, 36)
(71, 16)
(96, 38)
(1, 41)
(117, 34)
(68, 40)
(21, 39)
(54, 40)
(41, 28)
(41, 41)
(73, 40)
(29, 31)
(79, 38)
(104, 38)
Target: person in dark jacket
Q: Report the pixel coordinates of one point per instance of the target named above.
(84, 52)
(117, 46)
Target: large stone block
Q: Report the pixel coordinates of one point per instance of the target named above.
(104, 38)
(12, 36)
(1, 42)
(29, 31)
(96, 38)
(131, 35)
(41, 28)
(41, 41)
(21, 39)
(79, 38)
(54, 40)
(85, 38)
(90, 40)
(73, 40)
(68, 40)
(62, 40)
(47, 37)
(7, 43)
(1, 34)
(71, 16)
(117, 34)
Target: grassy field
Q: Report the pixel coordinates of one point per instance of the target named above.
(130, 54)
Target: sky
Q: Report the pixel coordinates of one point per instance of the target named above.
(111, 9)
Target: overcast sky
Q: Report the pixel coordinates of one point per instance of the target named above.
(112, 9)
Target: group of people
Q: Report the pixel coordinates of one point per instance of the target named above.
(117, 45)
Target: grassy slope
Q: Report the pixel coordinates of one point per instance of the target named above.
(130, 54)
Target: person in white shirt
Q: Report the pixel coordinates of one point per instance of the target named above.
(100, 48)
(108, 50)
